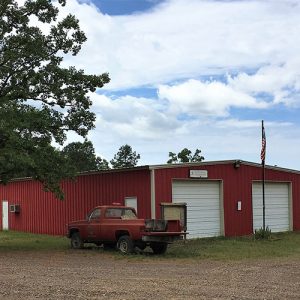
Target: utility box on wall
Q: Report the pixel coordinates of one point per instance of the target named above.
(14, 208)
(174, 211)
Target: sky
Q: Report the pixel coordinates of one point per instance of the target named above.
(193, 74)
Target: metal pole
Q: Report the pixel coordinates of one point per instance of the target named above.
(263, 192)
(263, 178)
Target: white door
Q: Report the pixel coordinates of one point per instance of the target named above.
(203, 206)
(4, 215)
(276, 206)
(131, 202)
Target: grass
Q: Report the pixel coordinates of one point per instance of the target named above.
(20, 241)
(279, 245)
(240, 248)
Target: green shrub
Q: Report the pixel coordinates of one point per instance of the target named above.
(261, 234)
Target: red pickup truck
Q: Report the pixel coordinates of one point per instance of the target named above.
(119, 226)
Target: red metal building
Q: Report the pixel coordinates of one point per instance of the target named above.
(223, 198)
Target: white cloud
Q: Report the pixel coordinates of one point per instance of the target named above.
(181, 39)
(153, 134)
(206, 98)
(281, 82)
(257, 41)
(249, 124)
(130, 117)
(153, 131)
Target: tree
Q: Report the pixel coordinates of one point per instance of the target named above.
(125, 158)
(185, 155)
(83, 158)
(40, 101)
(197, 157)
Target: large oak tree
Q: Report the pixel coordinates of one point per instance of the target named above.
(40, 101)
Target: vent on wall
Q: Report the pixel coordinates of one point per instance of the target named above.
(14, 208)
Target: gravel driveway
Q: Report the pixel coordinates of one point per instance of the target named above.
(88, 274)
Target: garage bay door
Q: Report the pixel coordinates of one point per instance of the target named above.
(203, 206)
(276, 206)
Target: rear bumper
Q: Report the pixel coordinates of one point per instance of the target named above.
(165, 237)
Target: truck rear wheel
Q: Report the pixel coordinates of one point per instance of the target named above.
(76, 241)
(159, 248)
(125, 244)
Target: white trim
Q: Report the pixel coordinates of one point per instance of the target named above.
(5, 215)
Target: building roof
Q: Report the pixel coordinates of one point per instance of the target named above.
(222, 162)
(181, 165)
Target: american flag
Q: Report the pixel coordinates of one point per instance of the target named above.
(263, 144)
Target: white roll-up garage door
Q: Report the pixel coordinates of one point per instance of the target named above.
(203, 206)
(276, 206)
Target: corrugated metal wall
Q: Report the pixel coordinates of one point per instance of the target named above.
(42, 213)
(237, 186)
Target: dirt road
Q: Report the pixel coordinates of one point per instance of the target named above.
(99, 275)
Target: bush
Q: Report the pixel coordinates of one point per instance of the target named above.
(261, 233)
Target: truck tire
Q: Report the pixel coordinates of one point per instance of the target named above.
(125, 244)
(159, 248)
(76, 241)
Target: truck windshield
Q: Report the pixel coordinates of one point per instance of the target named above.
(120, 213)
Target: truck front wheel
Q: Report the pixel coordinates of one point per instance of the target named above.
(159, 248)
(125, 244)
(76, 241)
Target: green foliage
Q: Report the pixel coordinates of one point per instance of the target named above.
(184, 156)
(102, 164)
(82, 156)
(125, 158)
(40, 101)
(261, 233)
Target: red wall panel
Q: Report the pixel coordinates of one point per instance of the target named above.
(41, 212)
(237, 186)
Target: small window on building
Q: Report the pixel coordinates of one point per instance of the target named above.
(131, 202)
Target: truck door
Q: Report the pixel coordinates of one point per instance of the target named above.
(94, 228)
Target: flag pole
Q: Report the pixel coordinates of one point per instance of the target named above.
(263, 171)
